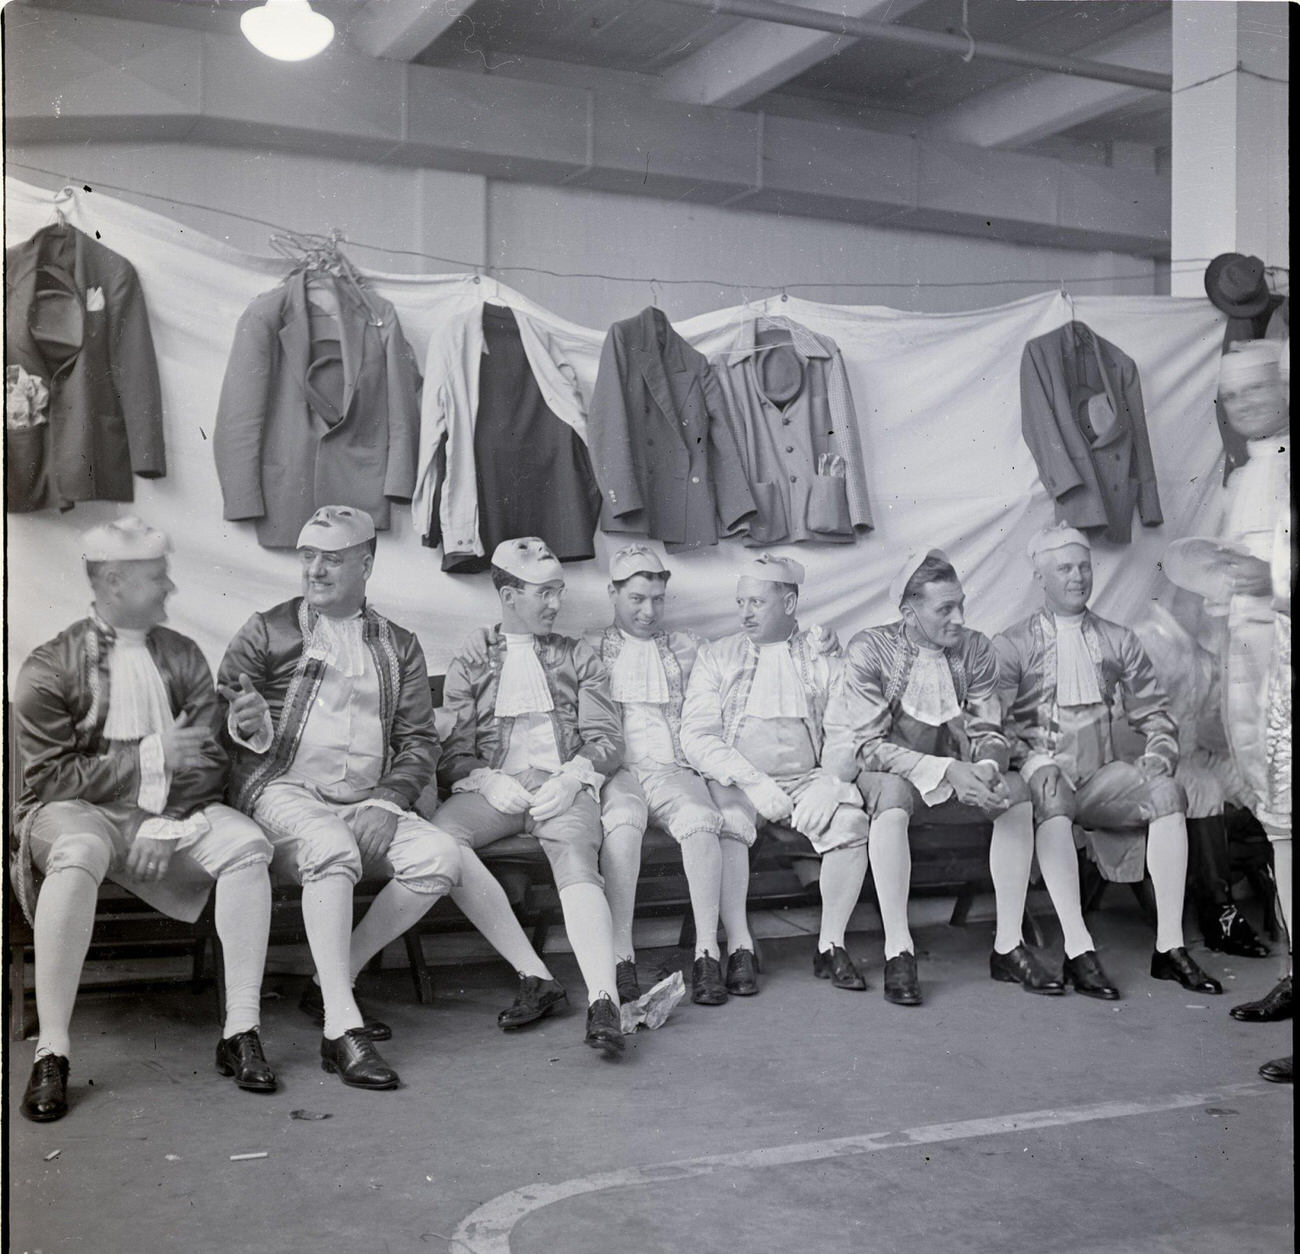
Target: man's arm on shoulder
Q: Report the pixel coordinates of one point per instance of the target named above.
(600, 725)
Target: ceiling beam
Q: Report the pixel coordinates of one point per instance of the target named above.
(79, 79)
(757, 57)
(1042, 105)
(399, 30)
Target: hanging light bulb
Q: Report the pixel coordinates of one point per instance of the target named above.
(289, 30)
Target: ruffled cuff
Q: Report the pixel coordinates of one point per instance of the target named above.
(1035, 763)
(260, 741)
(927, 777)
(586, 774)
(153, 775)
(1155, 766)
(380, 803)
(474, 781)
(174, 830)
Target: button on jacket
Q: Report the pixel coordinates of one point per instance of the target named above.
(1095, 463)
(664, 454)
(787, 449)
(82, 372)
(288, 439)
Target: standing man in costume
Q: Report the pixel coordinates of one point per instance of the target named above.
(1067, 675)
(536, 735)
(648, 673)
(753, 726)
(332, 726)
(123, 778)
(919, 703)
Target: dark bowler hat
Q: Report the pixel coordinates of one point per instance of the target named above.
(1236, 285)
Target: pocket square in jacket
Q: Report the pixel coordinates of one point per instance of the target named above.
(94, 300)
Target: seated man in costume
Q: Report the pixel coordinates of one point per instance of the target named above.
(919, 703)
(536, 734)
(1253, 387)
(752, 725)
(648, 672)
(333, 733)
(123, 778)
(1067, 676)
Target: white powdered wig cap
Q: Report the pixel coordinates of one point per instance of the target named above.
(126, 539)
(772, 569)
(1248, 360)
(898, 585)
(1055, 537)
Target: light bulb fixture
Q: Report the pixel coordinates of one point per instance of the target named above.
(288, 30)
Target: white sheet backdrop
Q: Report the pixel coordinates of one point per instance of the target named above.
(937, 399)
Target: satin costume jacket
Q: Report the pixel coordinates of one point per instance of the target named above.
(88, 403)
(585, 719)
(678, 651)
(1129, 685)
(1081, 414)
(269, 648)
(784, 447)
(662, 449)
(291, 435)
(60, 706)
(718, 693)
(866, 727)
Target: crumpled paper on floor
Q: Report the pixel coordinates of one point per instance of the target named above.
(654, 1007)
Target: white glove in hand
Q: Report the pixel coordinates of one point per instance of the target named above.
(505, 793)
(816, 807)
(769, 798)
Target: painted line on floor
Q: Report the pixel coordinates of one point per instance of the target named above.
(487, 1229)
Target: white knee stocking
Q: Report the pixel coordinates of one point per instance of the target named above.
(1059, 863)
(1167, 864)
(891, 868)
(620, 866)
(1011, 855)
(702, 862)
(842, 874)
(1282, 873)
(586, 921)
(733, 895)
(327, 919)
(484, 903)
(243, 916)
(65, 916)
(396, 909)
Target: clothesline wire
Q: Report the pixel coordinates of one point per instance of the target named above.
(1181, 265)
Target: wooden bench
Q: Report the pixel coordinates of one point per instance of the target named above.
(783, 874)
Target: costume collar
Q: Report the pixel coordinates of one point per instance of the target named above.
(806, 343)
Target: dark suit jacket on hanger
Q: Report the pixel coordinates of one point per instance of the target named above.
(663, 453)
(102, 417)
(281, 450)
(1094, 476)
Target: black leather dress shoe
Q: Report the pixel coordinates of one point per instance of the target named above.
(742, 973)
(1177, 964)
(1273, 1007)
(1228, 932)
(241, 1056)
(1084, 974)
(355, 1060)
(1278, 1070)
(625, 981)
(46, 1098)
(1020, 966)
(836, 965)
(707, 986)
(604, 1026)
(902, 986)
(312, 1004)
(535, 999)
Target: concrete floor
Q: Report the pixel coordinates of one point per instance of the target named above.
(805, 1119)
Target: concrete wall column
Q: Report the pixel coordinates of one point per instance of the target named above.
(1229, 162)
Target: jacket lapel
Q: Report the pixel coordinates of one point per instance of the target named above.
(295, 338)
(352, 331)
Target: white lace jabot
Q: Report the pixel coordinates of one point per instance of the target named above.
(777, 691)
(522, 688)
(930, 697)
(1076, 675)
(338, 643)
(638, 673)
(138, 705)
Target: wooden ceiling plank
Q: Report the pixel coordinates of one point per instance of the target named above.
(399, 30)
